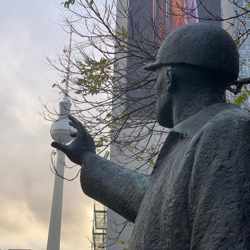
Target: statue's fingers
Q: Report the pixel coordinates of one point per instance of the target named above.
(77, 124)
(60, 146)
(73, 134)
(73, 125)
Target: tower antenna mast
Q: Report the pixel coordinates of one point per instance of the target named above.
(69, 51)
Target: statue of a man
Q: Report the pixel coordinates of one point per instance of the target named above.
(198, 195)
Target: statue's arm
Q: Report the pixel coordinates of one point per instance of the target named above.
(116, 187)
(219, 194)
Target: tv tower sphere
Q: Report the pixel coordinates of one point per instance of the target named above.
(60, 129)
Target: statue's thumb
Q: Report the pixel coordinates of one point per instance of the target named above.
(60, 146)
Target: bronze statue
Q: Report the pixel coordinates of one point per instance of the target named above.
(198, 195)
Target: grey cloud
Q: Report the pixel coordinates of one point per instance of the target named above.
(30, 32)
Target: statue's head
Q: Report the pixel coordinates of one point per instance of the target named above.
(203, 50)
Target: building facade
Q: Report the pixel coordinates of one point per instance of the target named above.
(146, 23)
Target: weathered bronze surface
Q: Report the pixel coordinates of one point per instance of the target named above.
(198, 196)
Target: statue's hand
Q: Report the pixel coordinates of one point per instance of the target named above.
(82, 143)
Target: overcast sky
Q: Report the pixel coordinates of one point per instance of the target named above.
(31, 31)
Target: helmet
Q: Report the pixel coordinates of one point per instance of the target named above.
(201, 44)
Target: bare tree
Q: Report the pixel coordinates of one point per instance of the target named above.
(102, 99)
(109, 96)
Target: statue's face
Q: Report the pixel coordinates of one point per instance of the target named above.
(164, 101)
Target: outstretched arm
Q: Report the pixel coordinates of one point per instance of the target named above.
(117, 187)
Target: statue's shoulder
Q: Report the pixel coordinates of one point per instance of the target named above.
(232, 113)
(230, 120)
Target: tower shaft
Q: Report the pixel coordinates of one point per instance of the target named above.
(57, 204)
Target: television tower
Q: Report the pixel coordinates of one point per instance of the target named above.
(60, 132)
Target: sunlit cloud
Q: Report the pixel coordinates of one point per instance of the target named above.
(30, 32)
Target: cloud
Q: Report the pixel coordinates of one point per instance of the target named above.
(29, 33)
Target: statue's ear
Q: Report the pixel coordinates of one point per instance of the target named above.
(171, 76)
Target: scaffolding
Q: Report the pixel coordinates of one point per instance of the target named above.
(99, 230)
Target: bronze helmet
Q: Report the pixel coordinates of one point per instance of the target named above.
(201, 44)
